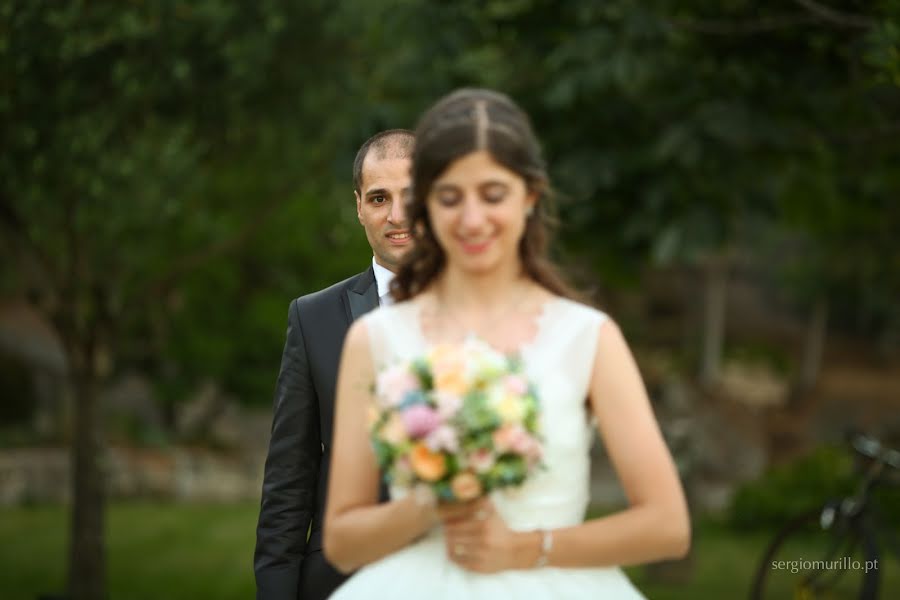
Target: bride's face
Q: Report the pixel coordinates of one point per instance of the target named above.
(477, 209)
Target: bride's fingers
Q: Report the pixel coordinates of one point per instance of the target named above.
(468, 537)
(469, 531)
(476, 563)
(468, 556)
(457, 511)
(464, 527)
(479, 509)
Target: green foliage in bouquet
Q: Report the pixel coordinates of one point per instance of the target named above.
(462, 420)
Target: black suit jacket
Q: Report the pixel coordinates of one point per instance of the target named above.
(287, 566)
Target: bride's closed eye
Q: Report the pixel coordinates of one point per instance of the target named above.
(493, 192)
(448, 197)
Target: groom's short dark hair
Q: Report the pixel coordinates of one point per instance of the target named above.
(392, 143)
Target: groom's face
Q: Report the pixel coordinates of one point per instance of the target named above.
(380, 207)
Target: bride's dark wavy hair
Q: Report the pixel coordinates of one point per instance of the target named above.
(465, 121)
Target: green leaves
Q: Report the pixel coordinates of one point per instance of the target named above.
(196, 155)
(476, 414)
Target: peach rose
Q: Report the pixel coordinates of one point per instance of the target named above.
(448, 365)
(465, 486)
(428, 465)
(451, 381)
(394, 431)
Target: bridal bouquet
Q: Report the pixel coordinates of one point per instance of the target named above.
(461, 420)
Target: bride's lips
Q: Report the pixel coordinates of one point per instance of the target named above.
(398, 238)
(475, 247)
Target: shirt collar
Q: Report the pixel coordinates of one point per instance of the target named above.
(383, 278)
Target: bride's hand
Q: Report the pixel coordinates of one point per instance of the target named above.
(478, 538)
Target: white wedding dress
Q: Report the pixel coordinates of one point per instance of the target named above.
(558, 360)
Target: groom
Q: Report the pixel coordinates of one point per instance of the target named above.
(287, 565)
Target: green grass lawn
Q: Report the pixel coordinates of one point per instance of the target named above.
(155, 551)
(173, 552)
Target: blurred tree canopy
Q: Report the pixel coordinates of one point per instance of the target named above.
(192, 159)
(173, 173)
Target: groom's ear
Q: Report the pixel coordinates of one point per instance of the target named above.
(358, 206)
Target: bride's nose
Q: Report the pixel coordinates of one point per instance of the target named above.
(473, 214)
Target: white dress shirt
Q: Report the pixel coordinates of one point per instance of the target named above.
(383, 278)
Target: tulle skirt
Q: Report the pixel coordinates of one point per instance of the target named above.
(422, 571)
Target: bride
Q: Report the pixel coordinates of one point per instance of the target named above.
(479, 268)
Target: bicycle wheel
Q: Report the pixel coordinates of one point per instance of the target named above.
(812, 559)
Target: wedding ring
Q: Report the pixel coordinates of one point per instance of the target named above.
(459, 550)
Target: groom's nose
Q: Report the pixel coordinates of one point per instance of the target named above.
(397, 215)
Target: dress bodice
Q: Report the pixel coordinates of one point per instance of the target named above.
(558, 360)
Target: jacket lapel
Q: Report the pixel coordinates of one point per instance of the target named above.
(363, 295)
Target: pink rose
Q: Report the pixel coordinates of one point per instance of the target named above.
(514, 438)
(393, 384)
(508, 437)
(481, 460)
(515, 385)
(403, 464)
(528, 447)
(420, 420)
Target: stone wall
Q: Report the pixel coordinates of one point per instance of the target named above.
(43, 475)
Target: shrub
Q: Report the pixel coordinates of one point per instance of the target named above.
(788, 490)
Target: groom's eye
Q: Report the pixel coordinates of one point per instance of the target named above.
(377, 199)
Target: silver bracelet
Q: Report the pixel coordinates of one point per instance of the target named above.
(546, 547)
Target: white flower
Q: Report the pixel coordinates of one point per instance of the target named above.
(442, 438)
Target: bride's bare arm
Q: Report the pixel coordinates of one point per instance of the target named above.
(656, 525)
(359, 530)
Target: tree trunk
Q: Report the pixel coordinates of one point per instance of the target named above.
(714, 284)
(87, 561)
(814, 346)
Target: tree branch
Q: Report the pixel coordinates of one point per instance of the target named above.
(203, 256)
(816, 14)
(730, 27)
(866, 136)
(15, 225)
(836, 17)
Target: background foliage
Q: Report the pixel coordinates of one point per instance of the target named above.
(189, 162)
(173, 173)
